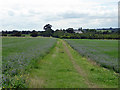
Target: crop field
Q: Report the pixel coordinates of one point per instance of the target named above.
(63, 67)
(20, 55)
(52, 63)
(104, 52)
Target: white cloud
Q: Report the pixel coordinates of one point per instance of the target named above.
(34, 14)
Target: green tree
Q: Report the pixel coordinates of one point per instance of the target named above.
(34, 33)
(70, 30)
(48, 31)
(47, 27)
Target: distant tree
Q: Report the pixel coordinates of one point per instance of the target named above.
(48, 31)
(118, 31)
(34, 33)
(80, 29)
(16, 33)
(58, 33)
(26, 32)
(47, 27)
(106, 32)
(70, 30)
(110, 28)
(4, 33)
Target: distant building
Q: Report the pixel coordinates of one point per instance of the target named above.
(77, 31)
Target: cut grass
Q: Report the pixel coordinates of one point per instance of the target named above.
(56, 71)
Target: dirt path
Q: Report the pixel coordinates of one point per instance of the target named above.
(77, 67)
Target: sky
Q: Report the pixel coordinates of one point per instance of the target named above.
(61, 14)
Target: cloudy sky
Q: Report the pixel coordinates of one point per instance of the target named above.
(34, 14)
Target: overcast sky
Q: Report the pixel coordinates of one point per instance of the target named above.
(34, 14)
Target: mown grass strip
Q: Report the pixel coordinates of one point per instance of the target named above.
(56, 71)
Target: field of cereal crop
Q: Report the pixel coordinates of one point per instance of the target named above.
(52, 63)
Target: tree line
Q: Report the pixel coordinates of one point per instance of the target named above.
(66, 33)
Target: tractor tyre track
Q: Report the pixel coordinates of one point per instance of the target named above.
(77, 67)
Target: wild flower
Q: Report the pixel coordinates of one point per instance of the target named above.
(19, 62)
(96, 50)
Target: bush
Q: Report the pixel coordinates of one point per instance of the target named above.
(34, 34)
(18, 34)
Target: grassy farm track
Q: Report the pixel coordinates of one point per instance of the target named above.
(63, 67)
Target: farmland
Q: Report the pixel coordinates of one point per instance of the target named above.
(104, 52)
(52, 63)
(63, 67)
(19, 55)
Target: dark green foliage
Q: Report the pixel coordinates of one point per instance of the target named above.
(4, 33)
(48, 31)
(64, 35)
(34, 33)
(86, 34)
(68, 33)
(70, 30)
(16, 33)
(47, 27)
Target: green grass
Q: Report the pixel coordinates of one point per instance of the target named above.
(43, 63)
(57, 71)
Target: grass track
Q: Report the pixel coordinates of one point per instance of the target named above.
(63, 67)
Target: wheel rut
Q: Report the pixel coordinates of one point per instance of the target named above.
(77, 67)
